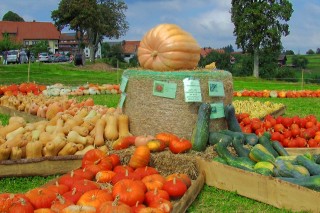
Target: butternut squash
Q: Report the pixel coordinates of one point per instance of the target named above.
(16, 153)
(34, 149)
(69, 149)
(5, 152)
(99, 132)
(123, 125)
(12, 134)
(35, 134)
(19, 140)
(111, 130)
(53, 147)
(9, 128)
(71, 123)
(90, 140)
(17, 119)
(82, 130)
(73, 136)
(86, 149)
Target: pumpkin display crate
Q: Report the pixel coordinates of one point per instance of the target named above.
(154, 114)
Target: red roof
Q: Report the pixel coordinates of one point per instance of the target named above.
(30, 30)
(206, 50)
(130, 46)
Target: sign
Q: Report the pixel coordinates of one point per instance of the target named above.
(192, 90)
(124, 81)
(122, 99)
(164, 89)
(217, 110)
(216, 88)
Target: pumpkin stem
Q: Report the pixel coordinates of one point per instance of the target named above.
(116, 200)
(97, 161)
(154, 54)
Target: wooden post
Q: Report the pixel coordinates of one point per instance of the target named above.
(28, 70)
(302, 79)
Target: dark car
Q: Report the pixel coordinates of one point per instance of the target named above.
(61, 58)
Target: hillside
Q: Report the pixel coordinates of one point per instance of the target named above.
(313, 67)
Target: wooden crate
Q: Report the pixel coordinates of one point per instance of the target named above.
(269, 190)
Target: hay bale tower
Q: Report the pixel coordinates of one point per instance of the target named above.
(150, 114)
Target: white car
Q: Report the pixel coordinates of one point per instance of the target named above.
(12, 56)
(44, 57)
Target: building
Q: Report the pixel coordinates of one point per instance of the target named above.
(29, 33)
(206, 50)
(69, 44)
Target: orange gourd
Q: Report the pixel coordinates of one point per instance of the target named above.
(123, 124)
(167, 47)
(140, 157)
(111, 130)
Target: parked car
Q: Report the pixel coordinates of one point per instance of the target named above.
(61, 58)
(12, 56)
(44, 57)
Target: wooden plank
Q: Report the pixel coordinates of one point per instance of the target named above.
(41, 167)
(269, 190)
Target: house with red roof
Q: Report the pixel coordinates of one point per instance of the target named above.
(29, 33)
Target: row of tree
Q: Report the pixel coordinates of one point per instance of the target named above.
(259, 25)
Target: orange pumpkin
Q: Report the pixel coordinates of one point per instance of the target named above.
(167, 47)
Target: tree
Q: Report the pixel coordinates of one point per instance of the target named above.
(289, 52)
(92, 20)
(260, 24)
(318, 51)
(7, 44)
(310, 52)
(11, 16)
(228, 49)
(41, 46)
(300, 61)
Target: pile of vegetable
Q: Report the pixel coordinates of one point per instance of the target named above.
(58, 89)
(278, 93)
(289, 131)
(103, 184)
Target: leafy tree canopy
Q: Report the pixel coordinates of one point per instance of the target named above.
(260, 24)
(300, 61)
(92, 19)
(11, 16)
(310, 52)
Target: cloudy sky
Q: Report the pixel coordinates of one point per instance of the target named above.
(209, 21)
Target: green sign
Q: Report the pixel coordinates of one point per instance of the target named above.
(122, 99)
(192, 90)
(164, 89)
(217, 110)
(216, 88)
(124, 81)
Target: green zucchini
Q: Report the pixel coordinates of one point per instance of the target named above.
(311, 182)
(200, 133)
(313, 168)
(250, 138)
(279, 148)
(287, 169)
(220, 160)
(263, 140)
(231, 119)
(316, 158)
(264, 171)
(260, 153)
(233, 134)
(239, 148)
(215, 137)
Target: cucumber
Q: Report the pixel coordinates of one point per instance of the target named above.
(220, 160)
(260, 153)
(215, 137)
(240, 149)
(200, 133)
(279, 148)
(264, 171)
(231, 119)
(250, 138)
(313, 168)
(311, 182)
(286, 169)
(233, 134)
(263, 140)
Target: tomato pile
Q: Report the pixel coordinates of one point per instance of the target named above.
(278, 93)
(289, 131)
(103, 184)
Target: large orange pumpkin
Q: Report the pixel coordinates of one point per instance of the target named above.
(167, 47)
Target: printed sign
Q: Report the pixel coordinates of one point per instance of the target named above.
(216, 88)
(217, 110)
(192, 90)
(164, 89)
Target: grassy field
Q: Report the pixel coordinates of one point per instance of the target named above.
(313, 66)
(210, 199)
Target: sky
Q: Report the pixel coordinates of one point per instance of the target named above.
(209, 21)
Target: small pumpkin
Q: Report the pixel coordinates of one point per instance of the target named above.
(96, 160)
(154, 181)
(175, 188)
(156, 145)
(140, 157)
(94, 198)
(129, 191)
(114, 206)
(167, 47)
(180, 145)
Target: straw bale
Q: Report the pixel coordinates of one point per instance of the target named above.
(151, 114)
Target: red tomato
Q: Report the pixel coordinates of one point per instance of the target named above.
(313, 143)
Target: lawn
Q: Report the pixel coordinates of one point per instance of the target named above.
(210, 199)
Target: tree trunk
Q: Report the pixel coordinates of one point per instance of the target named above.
(92, 53)
(256, 63)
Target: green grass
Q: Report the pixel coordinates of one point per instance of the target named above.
(312, 69)
(210, 199)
